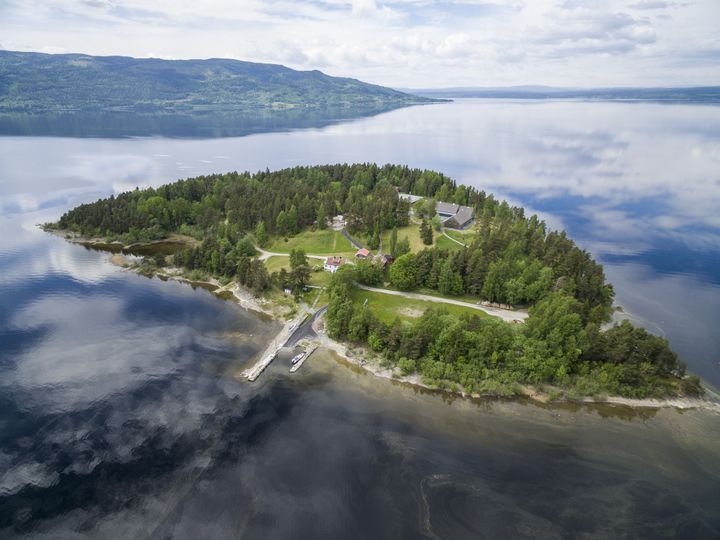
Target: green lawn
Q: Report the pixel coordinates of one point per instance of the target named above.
(274, 264)
(412, 232)
(320, 278)
(386, 306)
(320, 242)
(465, 236)
(443, 242)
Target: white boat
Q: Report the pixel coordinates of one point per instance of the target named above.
(297, 358)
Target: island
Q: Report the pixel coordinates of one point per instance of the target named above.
(428, 280)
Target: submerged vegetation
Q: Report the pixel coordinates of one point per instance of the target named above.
(508, 258)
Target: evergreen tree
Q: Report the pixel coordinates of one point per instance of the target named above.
(282, 223)
(403, 247)
(426, 232)
(293, 224)
(299, 271)
(322, 217)
(449, 281)
(261, 234)
(393, 242)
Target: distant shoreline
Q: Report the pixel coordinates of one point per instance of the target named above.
(696, 95)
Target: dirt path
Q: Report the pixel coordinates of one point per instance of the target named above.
(265, 255)
(505, 314)
(446, 235)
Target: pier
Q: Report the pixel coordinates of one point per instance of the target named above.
(273, 348)
(297, 366)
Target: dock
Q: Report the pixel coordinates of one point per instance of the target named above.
(297, 366)
(273, 348)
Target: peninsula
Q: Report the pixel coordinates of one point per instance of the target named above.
(433, 279)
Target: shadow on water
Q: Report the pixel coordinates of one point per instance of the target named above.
(191, 126)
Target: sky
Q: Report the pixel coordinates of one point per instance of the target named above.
(398, 43)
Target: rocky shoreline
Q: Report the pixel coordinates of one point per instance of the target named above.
(360, 357)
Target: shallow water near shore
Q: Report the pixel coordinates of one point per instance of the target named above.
(122, 417)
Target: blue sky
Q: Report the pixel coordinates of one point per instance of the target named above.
(401, 43)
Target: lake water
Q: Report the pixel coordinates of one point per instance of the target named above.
(122, 416)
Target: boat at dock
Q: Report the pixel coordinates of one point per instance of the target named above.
(297, 358)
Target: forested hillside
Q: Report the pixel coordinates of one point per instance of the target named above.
(41, 84)
(510, 258)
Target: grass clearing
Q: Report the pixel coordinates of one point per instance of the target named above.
(320, 242)
(443, 242)
(320, 279)
(276, 263)
(412, 232)
(387, 307)
(465, 236)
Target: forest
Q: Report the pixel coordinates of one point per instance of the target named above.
(510, 258)
(45, 84)
(556, 347)
(513, 258)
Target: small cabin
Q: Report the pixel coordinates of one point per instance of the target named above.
(362, 254)
(333, 263)
(384, 260)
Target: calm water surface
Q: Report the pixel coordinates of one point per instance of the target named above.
(121, 416)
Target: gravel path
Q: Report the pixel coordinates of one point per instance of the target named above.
(505, 314)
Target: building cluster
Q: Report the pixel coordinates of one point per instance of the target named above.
(333, 263)
(453, 216)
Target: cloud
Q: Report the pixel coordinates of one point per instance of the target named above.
(584, 32)
(397, 42)
(654, 4)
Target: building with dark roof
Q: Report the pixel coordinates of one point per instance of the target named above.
(453, 215)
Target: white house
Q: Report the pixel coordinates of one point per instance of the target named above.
(333, 263)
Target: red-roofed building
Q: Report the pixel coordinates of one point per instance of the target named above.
(362, 254)
(333, 263)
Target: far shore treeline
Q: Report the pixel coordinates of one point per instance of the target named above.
(509, 258)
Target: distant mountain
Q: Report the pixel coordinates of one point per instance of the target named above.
(704, 94)
(40, 84)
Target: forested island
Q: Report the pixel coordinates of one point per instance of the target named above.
(502, 257)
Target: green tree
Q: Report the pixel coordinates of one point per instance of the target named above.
(299, 271)
(556, 322)
(321, 216)
(403, 247)
(436, 223)
(449, 281)
(261, 234)
(282, 223)
(426, 232)
(393, 242)
(403, 272)
(245, 247)
(293, 224)
(297, 258)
